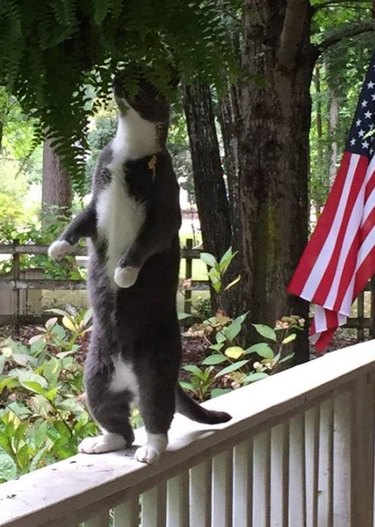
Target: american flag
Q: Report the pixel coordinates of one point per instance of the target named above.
(340, 256)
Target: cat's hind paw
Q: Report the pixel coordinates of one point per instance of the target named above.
(58, 249)
(102, 443)
(126, 276)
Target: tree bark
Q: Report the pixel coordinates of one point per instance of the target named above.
(333, 121)
(273, 157)
(56, 184)
(210, 190)
(229, 117)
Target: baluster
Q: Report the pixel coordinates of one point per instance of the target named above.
(222, 490)
(312, 431)
(178, 501)
(325, 485)
(261, 479)
(154, 507)
(242, 484)
(200, 495)
(279, 475)
(127, 514)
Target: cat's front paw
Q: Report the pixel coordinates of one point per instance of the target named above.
(102, 443)
(147, 454)
(126, 276)
(58, 249)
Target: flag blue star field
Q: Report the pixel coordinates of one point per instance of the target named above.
(339, 259)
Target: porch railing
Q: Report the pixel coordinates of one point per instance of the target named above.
(299, 451)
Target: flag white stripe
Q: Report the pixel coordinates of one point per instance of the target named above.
(314, 279)
(320, 319)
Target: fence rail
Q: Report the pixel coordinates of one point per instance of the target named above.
(13, 281)
(299, 451)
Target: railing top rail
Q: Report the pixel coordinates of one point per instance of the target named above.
(63, 493)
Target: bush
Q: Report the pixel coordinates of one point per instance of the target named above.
(42, 412)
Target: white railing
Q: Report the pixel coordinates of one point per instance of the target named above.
(298, 452)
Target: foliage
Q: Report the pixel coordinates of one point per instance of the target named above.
(52, 52)
(230, 363)
(14, 226)
(42, 415)
(217, 269)
(337, 79)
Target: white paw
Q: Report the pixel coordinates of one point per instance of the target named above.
(59, 249)
(103, 443)
(147, 454)
(126, 276)
(150, 453)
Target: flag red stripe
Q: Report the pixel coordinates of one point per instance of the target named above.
(365, 271)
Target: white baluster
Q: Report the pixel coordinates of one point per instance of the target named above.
(200, 495)
(297, 480)
(127, 514)
(242, 484)
(325, 482)
(178, 501)
(342, 416)
(100, 520)
(154, 507)
(222, 490)
(312, 427)
(279, 475)
(261, 479)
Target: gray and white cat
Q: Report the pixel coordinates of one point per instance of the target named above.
(132, 223)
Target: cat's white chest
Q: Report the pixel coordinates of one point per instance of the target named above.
(124, 378)
(119, 219)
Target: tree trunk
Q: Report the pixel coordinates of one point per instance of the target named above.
(56, 185)
(273, 176)
(210, 191)
(229, 117)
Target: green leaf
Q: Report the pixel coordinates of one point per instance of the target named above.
(8, 468)
(217, 358)
(216, 392)
(234, 328)
(40, 433)
(208, 259)
(286, 358)
(255, 377)
(289, 338)
(262, 349)
(22, 359)
(25, 376)
(192, 369)
(182, 316)
(232, 367)
(265, 331)
(226, 260)
(218, 346)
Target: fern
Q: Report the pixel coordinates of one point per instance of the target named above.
(51, 51)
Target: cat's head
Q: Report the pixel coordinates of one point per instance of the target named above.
(145, 99)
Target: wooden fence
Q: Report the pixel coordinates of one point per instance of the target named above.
(363, 320)
(17, 283)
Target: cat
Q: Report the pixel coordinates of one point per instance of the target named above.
(132, 224)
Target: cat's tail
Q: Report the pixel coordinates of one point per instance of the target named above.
(189, 408)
